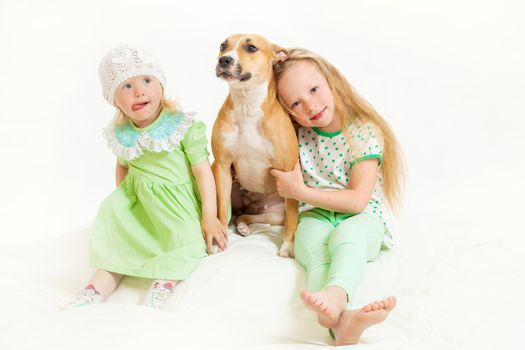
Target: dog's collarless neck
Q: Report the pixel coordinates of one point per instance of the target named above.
(249, 95)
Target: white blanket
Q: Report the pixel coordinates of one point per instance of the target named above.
(460, 296)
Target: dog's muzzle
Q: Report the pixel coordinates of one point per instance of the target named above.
(226, 70)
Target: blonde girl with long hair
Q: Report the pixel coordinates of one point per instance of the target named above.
(349, 175)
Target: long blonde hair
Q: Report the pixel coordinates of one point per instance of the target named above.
(351, 107)
(169, 105)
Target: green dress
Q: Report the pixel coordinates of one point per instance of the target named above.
(150, 225)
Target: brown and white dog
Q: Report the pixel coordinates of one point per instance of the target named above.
(252, 132)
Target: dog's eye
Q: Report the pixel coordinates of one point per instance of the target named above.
(223, 47)
(251, 48)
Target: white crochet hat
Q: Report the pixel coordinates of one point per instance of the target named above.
(124, 62)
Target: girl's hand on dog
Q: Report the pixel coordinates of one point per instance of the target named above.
(289, 184)
(213, 230)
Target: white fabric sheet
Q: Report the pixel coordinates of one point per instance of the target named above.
(460, 296)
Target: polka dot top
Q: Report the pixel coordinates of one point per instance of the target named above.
(326, 160)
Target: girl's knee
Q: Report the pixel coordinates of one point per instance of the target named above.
(346, 236)
(368, 241)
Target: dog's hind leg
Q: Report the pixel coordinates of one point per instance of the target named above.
(242, 222)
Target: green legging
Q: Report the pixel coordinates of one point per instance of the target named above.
(334, 247)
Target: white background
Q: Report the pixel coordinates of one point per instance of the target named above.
(449, 76)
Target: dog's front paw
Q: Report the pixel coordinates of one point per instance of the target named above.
(243, 229)
(286, 250)
(214, 250)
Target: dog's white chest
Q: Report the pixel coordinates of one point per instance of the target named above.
(251, 151)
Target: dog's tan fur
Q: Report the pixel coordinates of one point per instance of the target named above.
(252, 131)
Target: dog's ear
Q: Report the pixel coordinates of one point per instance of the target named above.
(279, 53)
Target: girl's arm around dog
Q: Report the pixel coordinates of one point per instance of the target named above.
(351, 200)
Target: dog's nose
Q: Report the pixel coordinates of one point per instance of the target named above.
(225, 61)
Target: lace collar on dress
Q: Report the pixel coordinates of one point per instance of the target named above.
(167, 131)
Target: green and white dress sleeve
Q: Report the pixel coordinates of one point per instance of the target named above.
(195, 143)
(366, 143)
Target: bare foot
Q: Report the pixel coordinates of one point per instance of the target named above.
(353, 323)
(329, 303)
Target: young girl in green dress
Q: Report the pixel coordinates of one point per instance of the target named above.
(152, 225)
(349, 173)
